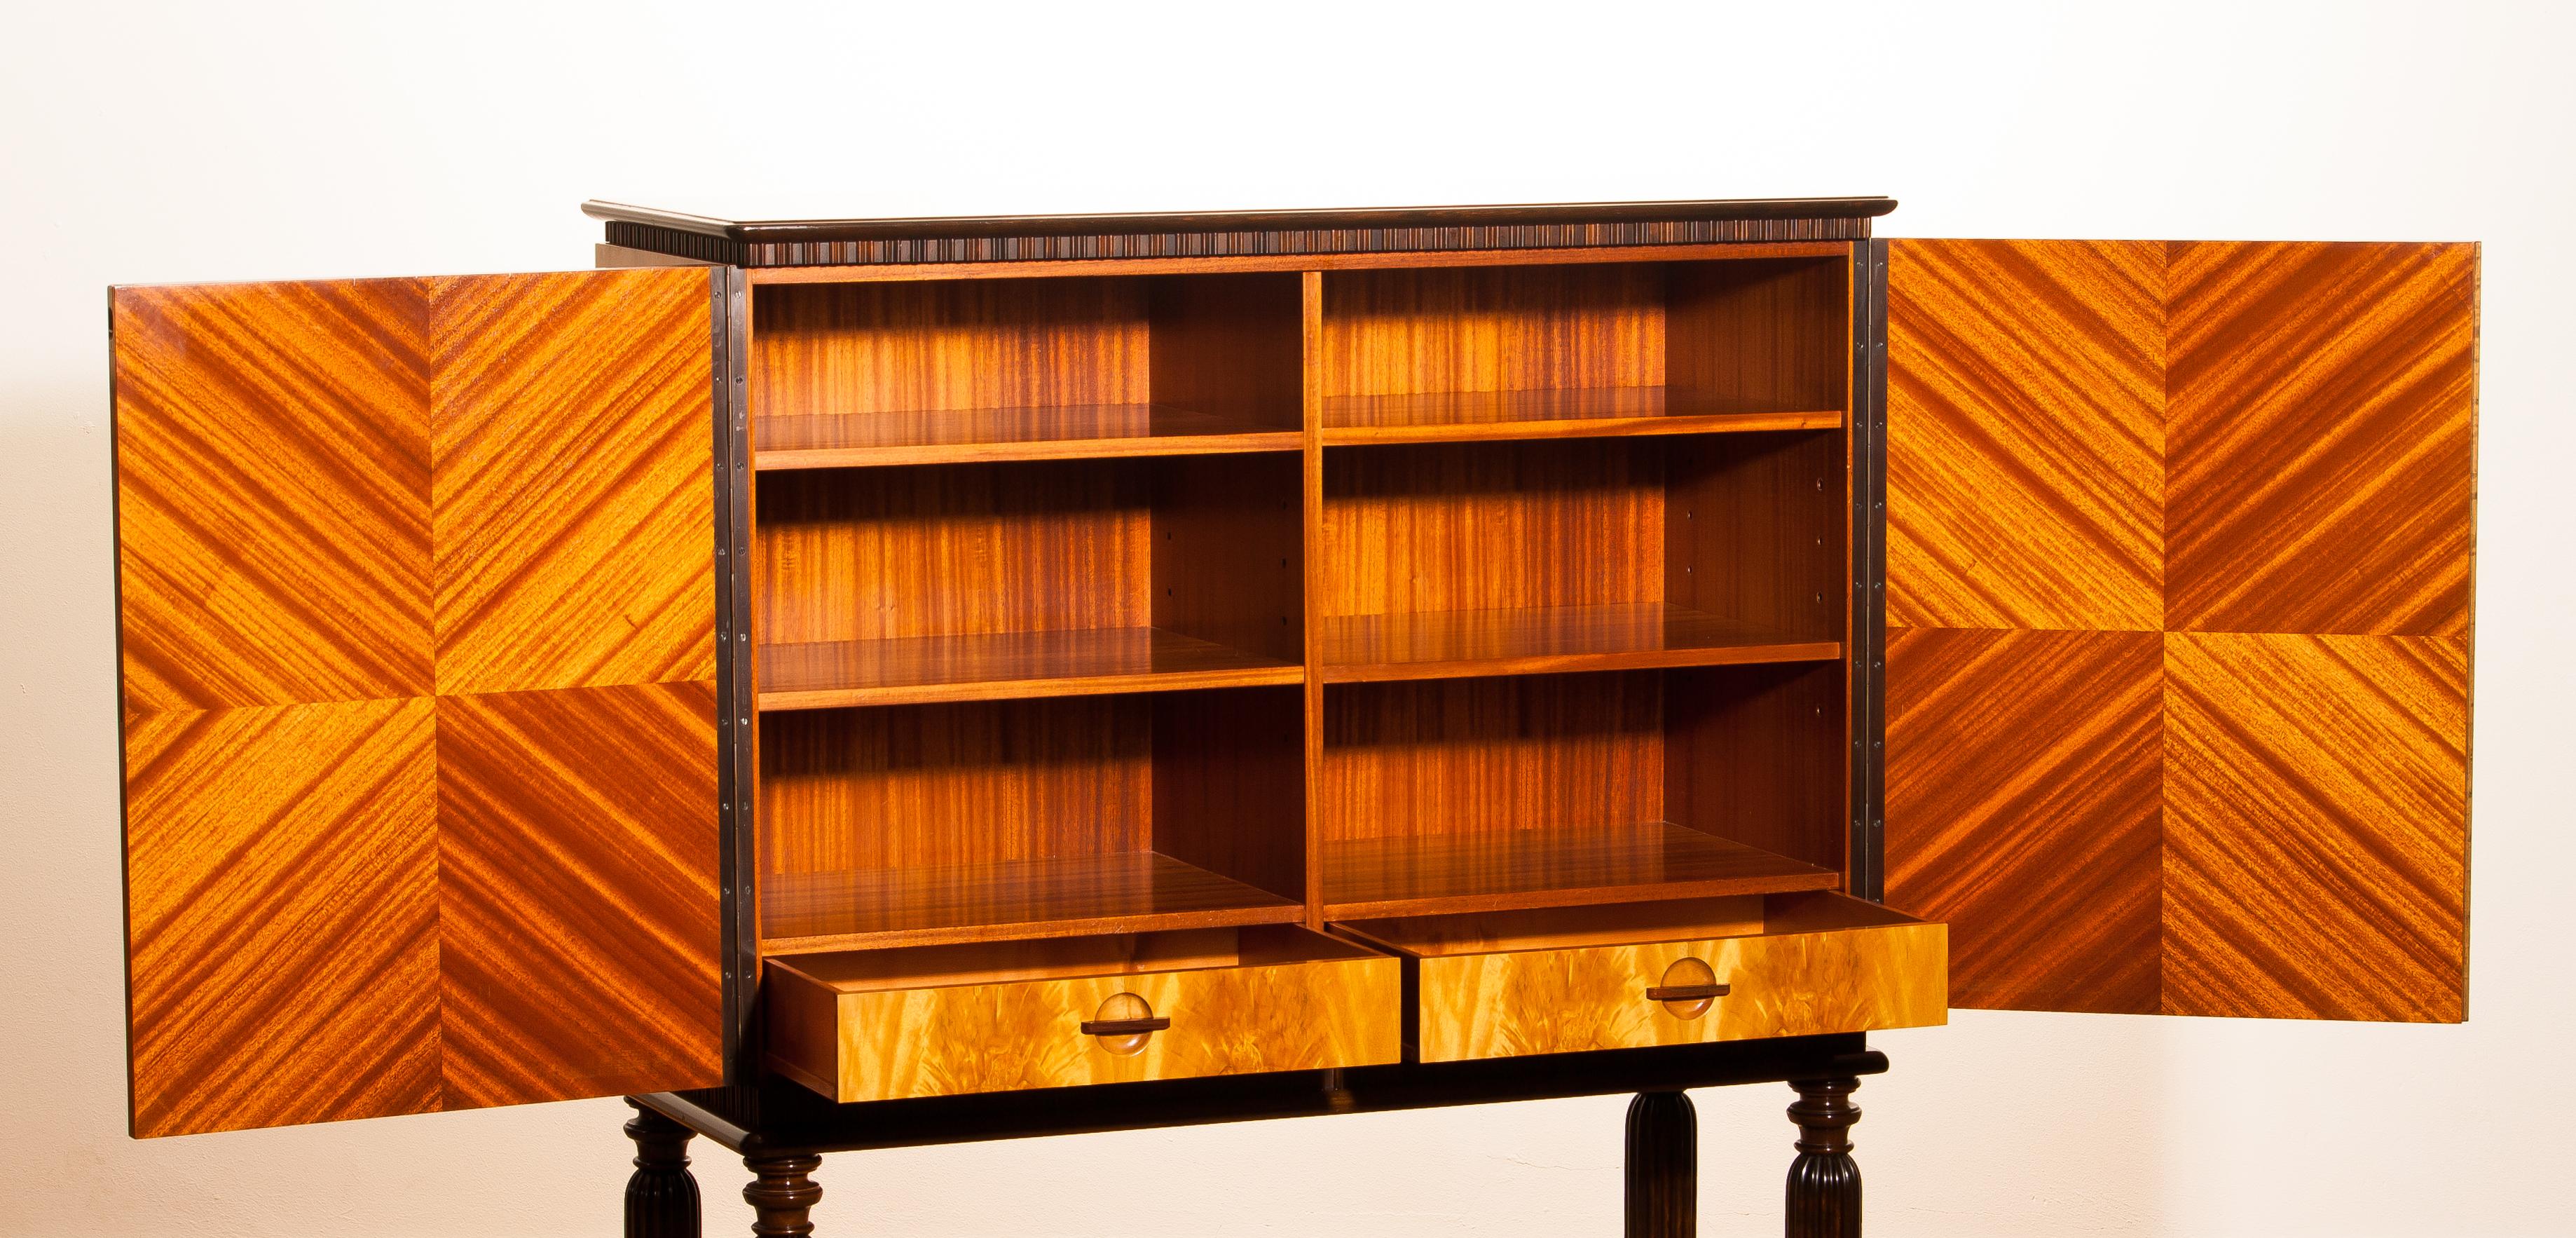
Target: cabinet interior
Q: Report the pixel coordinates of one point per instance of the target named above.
(1170, 603)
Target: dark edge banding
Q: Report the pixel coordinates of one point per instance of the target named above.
(1868, 799)
(733, 666)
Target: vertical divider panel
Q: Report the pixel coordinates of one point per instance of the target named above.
(1311, 313)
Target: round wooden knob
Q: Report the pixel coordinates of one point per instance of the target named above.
(1688, 989)
(1123, 1024)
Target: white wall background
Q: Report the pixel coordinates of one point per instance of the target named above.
(168, 142)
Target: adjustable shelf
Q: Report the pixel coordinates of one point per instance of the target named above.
(1543, 639)
(1043, 432)
(1499, 870)
(1001, 666)
(1130, 892)
(1591, 412)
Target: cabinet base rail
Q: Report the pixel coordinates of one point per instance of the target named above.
(782, 1132)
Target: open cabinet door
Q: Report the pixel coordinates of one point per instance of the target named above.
(416, 604)
(2178, 606)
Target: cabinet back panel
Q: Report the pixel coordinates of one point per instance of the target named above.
(1755, 530)
(857, 349)
(1478, 526)
(1406, 332)
(1464, 756)
(1765, 334)
(1755, 754)
(1230, 784)
(1227, 552)
(923, 785)
(951, 549)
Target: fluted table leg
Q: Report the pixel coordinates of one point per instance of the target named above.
(1824, 1182)
(661, 1195)
(1663, 1166)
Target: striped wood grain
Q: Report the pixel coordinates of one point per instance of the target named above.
(2323, 437)
(2298, 846)
(272, 492)
(572, 488)
(2025, 459)
(2316, 826)
(338, 500)
(2023, 788)
(282, 914)
(585, 820)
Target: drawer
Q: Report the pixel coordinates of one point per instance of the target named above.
(1630, 975)
(1001, 1016)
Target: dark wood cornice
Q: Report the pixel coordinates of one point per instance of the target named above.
(1186, 234)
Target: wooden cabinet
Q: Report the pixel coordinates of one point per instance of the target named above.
(1267, 663)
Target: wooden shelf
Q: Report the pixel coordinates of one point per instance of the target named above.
(1006, 666)
(1128, 892)
(1544, 639)
(1067, 432)
(1593, 412)
(1495, 871)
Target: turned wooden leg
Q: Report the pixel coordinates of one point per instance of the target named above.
(1824, 1182)
(661, 1196)
(1663, 1166)
(781, 1194)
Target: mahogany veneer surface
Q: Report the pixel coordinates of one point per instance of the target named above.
(1112, 893)
(2238, 476)
(381, 731)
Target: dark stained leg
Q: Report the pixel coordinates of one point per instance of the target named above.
(661, 1196)
(781, 1194)
(1824, 1182)
(1663, 1166)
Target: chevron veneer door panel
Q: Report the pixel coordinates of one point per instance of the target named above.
(2025, 457)
(2316, 792)
(272, 492)
(2322, 422)
(569, 404)
(282, 914)
(2023, 802)
(350, 895)
(623, 799)
(2183, 534)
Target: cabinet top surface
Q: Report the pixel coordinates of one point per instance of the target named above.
(988, 238)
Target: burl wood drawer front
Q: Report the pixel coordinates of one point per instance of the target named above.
(1572, 979)
(1003, 1016)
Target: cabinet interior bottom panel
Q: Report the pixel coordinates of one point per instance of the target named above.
(1499, 869)
(1118, 892)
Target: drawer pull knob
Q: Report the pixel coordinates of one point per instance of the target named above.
(1124, 1024)
(1676, 993)
(1130, 1027)
(1689, 988)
